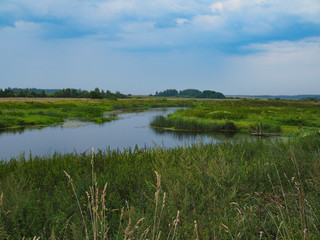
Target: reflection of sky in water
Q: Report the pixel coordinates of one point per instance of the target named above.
(131, 130)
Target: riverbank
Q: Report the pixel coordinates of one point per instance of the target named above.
(24, 112)
(232, 190)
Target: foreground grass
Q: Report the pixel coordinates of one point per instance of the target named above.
(245, 116)
(23, 113)
(233, 190)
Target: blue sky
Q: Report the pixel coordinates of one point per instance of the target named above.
(143, 46)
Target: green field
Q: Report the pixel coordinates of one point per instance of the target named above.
(245, 116)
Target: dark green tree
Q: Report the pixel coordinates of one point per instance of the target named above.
(95, 94)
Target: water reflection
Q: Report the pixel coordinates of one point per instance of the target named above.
(19, 130)
(190, 135)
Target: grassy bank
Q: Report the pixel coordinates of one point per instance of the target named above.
(245, 116)
(241, 190)
(31, 112)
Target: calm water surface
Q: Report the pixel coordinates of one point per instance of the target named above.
(131, 130)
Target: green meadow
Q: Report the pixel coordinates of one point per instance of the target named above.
(260, 188)
(246, 116)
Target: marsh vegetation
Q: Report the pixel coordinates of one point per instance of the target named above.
(55, 111)
(286, 117)
(243, 189)
(262, 189)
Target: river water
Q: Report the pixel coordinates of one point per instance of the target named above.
(130, 130)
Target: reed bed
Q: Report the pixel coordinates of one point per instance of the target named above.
(232, 190)
(287, 117)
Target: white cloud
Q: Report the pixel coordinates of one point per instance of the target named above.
(217, 7)
(181, 21)
(280, 68)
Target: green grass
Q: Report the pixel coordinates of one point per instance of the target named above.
(245, 116)
(42, 112)
(233, 190)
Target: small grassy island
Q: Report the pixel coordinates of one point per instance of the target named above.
(246, 116)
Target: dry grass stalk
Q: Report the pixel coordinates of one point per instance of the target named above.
(227, 230)
(121, 217)
(129, 232)
(75, 194)
(196, 229)
(175, 224)
(126, 231)
(145, 233)
(158, 180)
(163, 205)
(159, 235)
(157, 200)
(66, 227)
(95, 202)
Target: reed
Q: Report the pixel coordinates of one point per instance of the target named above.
(193, 124)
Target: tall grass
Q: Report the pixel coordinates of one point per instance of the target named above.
(97, 226)
(232, 190)
(192, 124)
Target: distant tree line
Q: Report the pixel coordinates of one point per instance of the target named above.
(57, 93)
(190, 93)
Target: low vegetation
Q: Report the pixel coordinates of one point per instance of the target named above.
(43, 111)
(245, 116)
(233, 190)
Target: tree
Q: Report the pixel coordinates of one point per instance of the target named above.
(95, 94)
(169, 93)
(211, 94)
(189, 93)
(43, 94)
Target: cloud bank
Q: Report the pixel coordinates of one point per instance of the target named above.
(234, 46)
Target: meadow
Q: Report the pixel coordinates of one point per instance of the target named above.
(275, 116)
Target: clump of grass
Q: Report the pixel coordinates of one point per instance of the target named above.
(192, 124)
(100, 120)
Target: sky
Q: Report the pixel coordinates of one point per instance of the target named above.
(236, 47)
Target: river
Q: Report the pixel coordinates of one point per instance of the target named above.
(132, 129)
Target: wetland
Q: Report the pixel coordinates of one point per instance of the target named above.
(186, 176)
